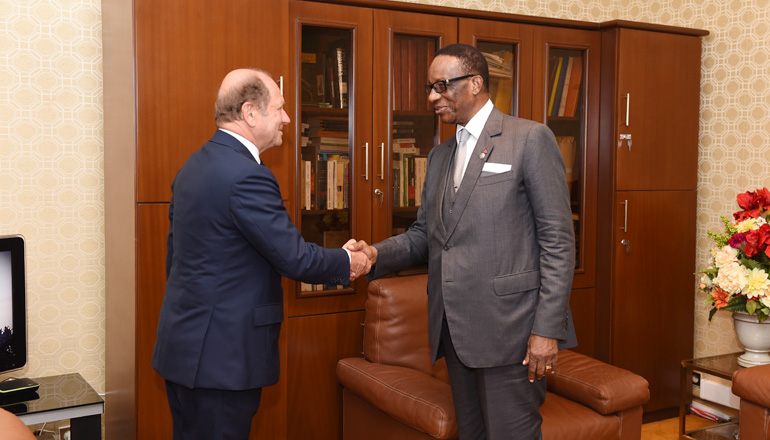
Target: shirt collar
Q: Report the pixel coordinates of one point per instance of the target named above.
(246, 143)
(476, 125)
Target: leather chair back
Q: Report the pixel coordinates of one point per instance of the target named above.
(396, 325)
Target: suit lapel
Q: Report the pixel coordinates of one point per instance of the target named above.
(447, 154)
(486, 143)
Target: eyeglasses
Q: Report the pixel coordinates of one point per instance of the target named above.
(441, 86)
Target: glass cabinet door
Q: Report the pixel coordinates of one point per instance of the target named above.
(566, 56)
(508, 50)
(405, 126)
(325, 139)
(332, 83)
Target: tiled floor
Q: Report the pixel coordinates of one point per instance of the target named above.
(669, 429)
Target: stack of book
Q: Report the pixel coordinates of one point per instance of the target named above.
(564, 85)
(411, 58)
(325, 165)
(408, 168)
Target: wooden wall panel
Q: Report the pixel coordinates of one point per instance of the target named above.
(153, 418)
(316, 343)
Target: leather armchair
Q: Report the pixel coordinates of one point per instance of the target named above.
(752, 385)
(393, 391)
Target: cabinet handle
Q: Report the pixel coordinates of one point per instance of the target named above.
(382, 161)
(625, 215)
(628, 108)
(280, 84)
(366, 161)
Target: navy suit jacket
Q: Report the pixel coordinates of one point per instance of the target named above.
(230, 240)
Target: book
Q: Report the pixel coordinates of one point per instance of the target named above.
(560, 77)
(575, 83)
(554, 84)
(342, 77)
(420, 167)
(567, 77)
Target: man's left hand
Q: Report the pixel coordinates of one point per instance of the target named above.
(541, 356)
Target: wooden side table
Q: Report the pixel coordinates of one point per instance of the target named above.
(721, 366)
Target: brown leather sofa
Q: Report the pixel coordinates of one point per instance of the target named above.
(393, 391)
(752, 385)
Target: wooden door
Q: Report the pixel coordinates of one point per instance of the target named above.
(508, 48)
(332, 94)
(657, 105)
(652, 316)
(183, 51)
(405, 128)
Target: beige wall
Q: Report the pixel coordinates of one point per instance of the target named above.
(51, 176)
(51, 149)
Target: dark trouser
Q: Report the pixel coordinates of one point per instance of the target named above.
(493, 403)
(205, 414)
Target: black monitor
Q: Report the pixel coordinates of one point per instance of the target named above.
(13, 307)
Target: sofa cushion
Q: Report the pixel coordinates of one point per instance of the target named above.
(396, 325)
(410, 396)
(605, 388)
(564, 419)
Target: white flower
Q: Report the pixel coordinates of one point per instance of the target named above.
(723, 257)
(757, 284)
(764, 299)
(760, 221)
(731, 278)
(705, 282)
(747, 225)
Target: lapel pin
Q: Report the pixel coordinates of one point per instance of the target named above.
(483, 155)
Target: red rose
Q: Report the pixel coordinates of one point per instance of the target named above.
(752, 203)
(757, 241)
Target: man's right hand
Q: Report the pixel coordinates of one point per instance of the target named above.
(361, 246)
(359, 264)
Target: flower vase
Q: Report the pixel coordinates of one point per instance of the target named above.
(755, 338)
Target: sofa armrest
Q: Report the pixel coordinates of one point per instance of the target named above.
(753, 384)
(410, 396)
(602, 387)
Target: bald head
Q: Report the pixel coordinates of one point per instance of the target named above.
(238, 87)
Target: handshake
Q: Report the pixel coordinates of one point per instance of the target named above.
(362, 257)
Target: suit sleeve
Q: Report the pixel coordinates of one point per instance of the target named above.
(411, 247)
(258, 211)
(546, 187)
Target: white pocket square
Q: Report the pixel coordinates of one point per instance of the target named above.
(496, 168)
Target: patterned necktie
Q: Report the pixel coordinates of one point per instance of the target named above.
(460, 157)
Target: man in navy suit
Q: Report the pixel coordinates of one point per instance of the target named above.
(229, 242)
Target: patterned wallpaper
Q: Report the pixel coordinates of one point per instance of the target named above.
(51, 149)
(51, 177)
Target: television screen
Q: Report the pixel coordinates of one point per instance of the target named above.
(13, 339)
(6, 304)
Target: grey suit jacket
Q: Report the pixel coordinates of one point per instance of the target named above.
(501, 265)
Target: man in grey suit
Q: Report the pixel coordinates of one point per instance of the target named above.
(495, 225)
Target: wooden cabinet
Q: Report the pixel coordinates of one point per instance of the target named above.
(553, 76)
(183, 51)
(648, 182)
(355, 76)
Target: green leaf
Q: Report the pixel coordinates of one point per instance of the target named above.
(712, 312)
(752, 306)
(751, 264)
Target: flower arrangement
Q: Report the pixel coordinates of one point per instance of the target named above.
(737, 279)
